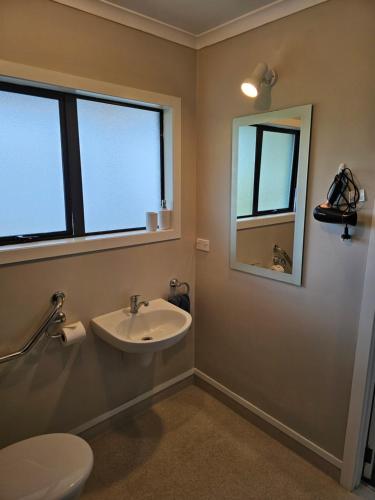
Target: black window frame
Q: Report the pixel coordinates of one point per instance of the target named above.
(260, 129)
(71, 161)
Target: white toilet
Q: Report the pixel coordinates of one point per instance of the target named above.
(48, 467)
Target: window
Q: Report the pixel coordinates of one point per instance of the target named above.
(32, 196)
(267, 170)
(121, 167)
(74, 165)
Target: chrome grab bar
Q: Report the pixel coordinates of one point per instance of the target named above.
(55, 316)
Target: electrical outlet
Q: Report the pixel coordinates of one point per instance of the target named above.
(362, 195)
(203, 245)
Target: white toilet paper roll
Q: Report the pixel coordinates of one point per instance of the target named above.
(73, 333)
(151, 221)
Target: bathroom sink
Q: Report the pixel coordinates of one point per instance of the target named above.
(153, 328)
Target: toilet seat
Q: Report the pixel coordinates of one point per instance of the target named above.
(51, 466)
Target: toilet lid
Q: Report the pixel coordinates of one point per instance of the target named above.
(44, 467)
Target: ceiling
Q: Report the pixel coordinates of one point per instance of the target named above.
(193, 16)
(193, 23)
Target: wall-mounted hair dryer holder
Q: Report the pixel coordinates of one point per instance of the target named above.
(341, 204)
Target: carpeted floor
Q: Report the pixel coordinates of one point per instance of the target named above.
(192, 447)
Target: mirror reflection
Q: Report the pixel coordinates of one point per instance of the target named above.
(269, 189)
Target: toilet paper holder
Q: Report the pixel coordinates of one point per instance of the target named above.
(55, 316)
(175, 283)
(59, 319)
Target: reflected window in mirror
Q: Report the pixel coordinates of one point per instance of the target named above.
(269, 172)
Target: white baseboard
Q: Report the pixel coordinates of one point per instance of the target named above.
(132, 402)
(235, 397)
(271, 420)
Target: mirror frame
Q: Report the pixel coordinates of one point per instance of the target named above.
(305, 113)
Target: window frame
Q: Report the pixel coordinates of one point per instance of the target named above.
(28, 238)
(171, 106)
(78, 156)
(260, 129)
(71, 162)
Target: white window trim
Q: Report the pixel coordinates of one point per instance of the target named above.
(265, 220)
(39, 77)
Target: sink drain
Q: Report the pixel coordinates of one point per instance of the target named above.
(146, 338)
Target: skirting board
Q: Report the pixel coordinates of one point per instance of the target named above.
(270, 420)
(232, 395)
(142, 397)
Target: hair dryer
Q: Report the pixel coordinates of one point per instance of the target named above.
(341, 204)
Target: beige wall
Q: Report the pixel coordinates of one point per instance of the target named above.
(289, 350)
(255, 244)
(56, 389)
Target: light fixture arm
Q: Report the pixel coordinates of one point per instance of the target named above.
(270, 78)
(261, 76)
(264, 75)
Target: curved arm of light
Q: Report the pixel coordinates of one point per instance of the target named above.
(262, 75)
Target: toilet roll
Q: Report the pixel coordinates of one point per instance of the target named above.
(74, 333)
(151, 221)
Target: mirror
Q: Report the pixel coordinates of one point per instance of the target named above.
(269, 178)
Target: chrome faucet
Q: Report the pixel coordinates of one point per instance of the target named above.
(135, 305)
(281, 258)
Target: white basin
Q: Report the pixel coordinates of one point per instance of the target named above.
(153, 328)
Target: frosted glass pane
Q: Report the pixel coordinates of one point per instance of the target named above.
(275, 170)
(120, 161)
(31, 174)
(245, 170)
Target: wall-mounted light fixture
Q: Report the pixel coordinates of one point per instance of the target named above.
(262, 75)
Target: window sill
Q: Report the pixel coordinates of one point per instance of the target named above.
(265, 220)
(70, 246)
